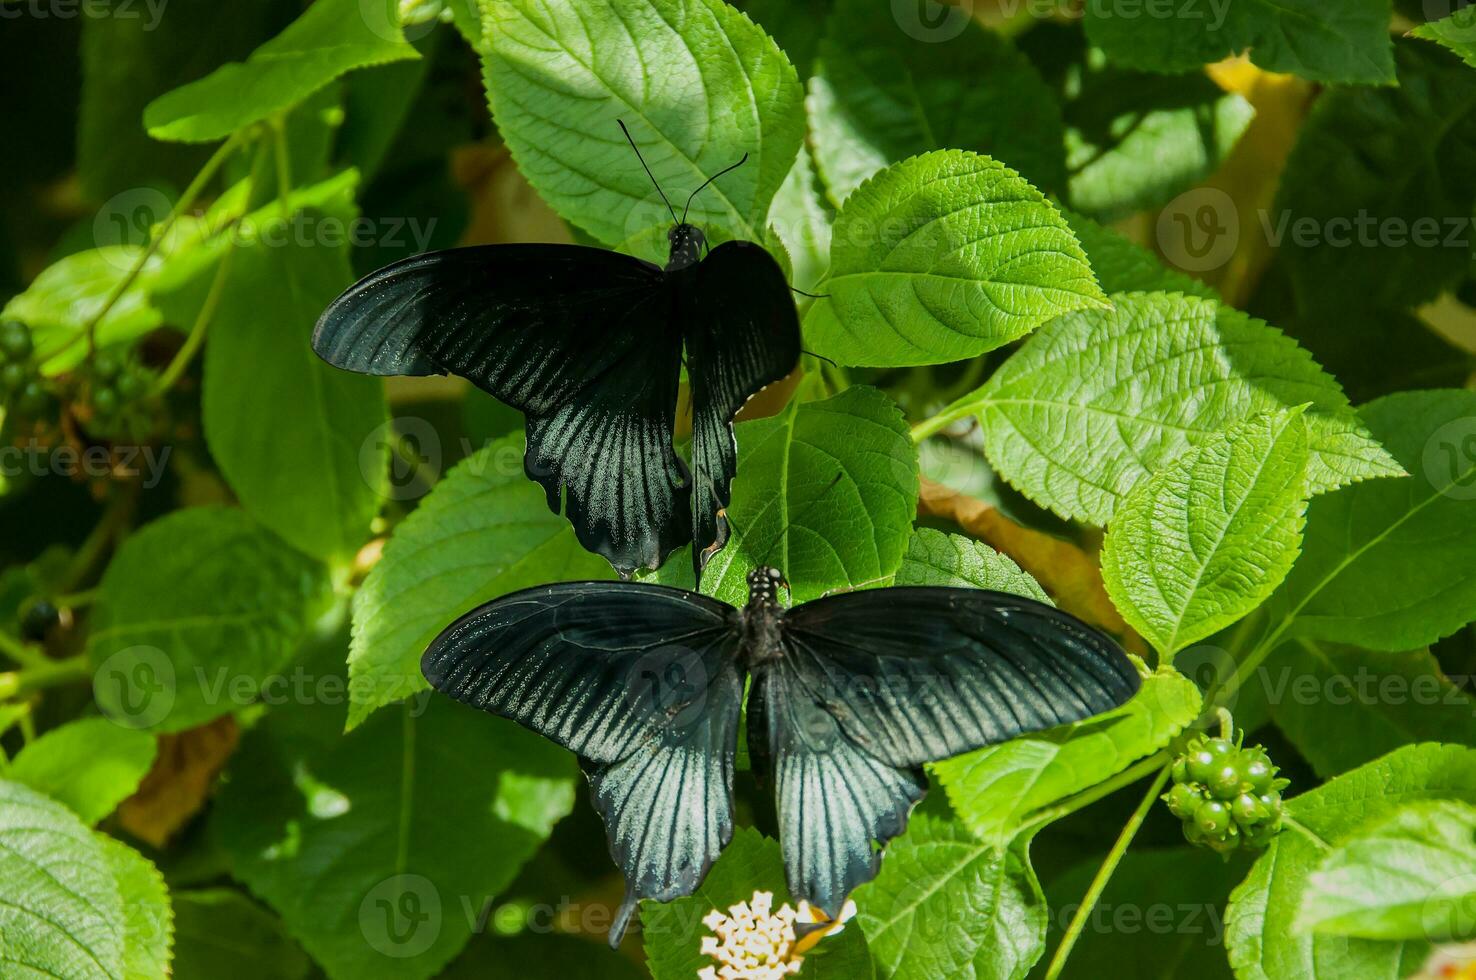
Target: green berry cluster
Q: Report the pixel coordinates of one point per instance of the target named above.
(116, 386)
(22, 389)
(1228, 796)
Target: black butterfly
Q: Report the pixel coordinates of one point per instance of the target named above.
(851, 694)
(588, 345)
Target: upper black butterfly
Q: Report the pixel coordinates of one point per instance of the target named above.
(851, 694)
(588, 345)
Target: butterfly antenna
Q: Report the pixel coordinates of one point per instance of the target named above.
(820, 357)
(811, 295)
(637, 149)
(686, 207)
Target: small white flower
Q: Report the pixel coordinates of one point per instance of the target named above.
(755, 941)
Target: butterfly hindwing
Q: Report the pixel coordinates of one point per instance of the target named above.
(644, 684)
(870, 685)
(742, 334)
(583, 341)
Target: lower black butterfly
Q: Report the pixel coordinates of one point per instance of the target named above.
(588, 345)
(851, 694)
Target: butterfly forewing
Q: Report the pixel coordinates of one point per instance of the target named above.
(583, 341)
(644, 684)
(742, 334)
(892, 678)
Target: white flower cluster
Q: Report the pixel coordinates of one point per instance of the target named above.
(752, 942)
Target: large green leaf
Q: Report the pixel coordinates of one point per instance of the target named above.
(368, 844)
(484, 531)
(1207, 538)
(673, 931)
(942, 257)
(1385, 564)
(996, 790)
(1342, 707)
(947, 904)
(1457, 32)
(1343, 42)
(1095, 401)
(936, 558)
(826, 492)
(1412, 876)
(309, 458)
(1376, 191)
(148, 920)
(696, 81)
(1261, 937)
(62, 914)
(91, 765)
(222, 934)
(881, 95)
(330, 38)
(193, 613)
(803, 223)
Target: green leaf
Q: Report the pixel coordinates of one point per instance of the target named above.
(222, 934)
(1124, 266)
(696, 81)
(673, 931)
(1162, 911)
(91, 765)
(1412, 876)
(1095, 401)
(1261, 937)
(826, 492)
(331, 38)
(881, 95)
(936, 558)
(148, 921)
(1384, 564)
(1342, 707)
(1375, 190)
(193, 613)
(309, 460)
(803, 223)
(67, 294)
(997, 790)
(484, 531)
(947, 904)
(1134, 141)
(63, 911)
(1457, 32)
(942, 257)
(1346, 42)
(368, 845)
(1209, 537)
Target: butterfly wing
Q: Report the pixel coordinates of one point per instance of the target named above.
(643, 683)
(581, 340)
(743, 334)
(870, 685)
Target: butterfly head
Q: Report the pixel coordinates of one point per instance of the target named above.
(687, 243)
(764, 584)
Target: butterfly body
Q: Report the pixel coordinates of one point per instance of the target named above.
(850, 695)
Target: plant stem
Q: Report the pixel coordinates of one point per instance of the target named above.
(186, 353)
(183, 204)
(1104, 874)
(21, 653)
(935, 424)
(16, 683)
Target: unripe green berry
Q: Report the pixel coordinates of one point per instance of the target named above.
(33, 398)
(131, 384)
(1184, 799)
(1249, 810)
(1225, 782)
(1213, 817)
(1258, 771)
(15, 340)
(104, 401)
(13, 378)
